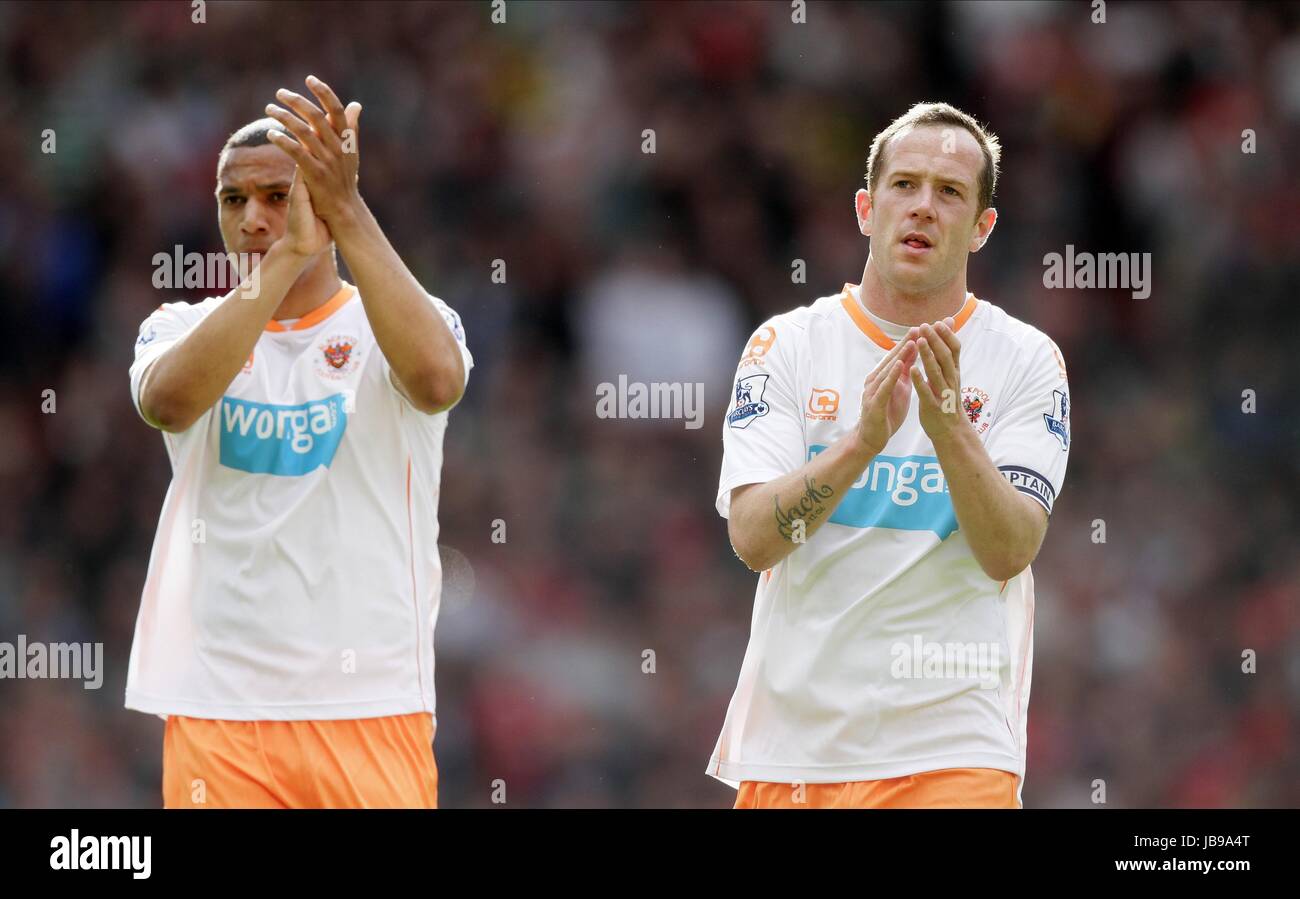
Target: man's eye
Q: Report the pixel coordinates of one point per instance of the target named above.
(280, 196)
(901, 181)
(954, 190)
(232, 200)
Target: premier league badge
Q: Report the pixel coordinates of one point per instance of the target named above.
(1059, 421)
(749, 401)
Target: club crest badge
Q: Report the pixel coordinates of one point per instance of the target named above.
(336, 354)
(338, 357)
(975, 403)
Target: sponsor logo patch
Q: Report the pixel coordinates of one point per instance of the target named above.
(823, 404)
(759, 346)
(290, 441)
(907, 493)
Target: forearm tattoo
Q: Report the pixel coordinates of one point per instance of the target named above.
(812, 504)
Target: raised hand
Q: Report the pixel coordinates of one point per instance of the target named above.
(886, 396)
(323, 144)
(939, 391)
(305, 234)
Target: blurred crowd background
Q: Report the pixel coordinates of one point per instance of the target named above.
(525, 142)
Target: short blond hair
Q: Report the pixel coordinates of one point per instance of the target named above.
(941, 114)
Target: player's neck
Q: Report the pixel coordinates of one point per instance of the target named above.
(313, 289)
(904, 308)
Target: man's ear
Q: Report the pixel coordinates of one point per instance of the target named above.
(862, 203)
(983, 228)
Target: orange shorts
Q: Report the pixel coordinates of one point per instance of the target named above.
(946, 788)
(353, 763)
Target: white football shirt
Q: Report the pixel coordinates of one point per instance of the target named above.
(295, 571)
(880, 648)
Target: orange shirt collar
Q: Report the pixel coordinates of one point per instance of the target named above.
(319, 314)
(879, 337)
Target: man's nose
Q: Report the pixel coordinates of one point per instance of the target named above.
(923, 205)
(255, 218)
